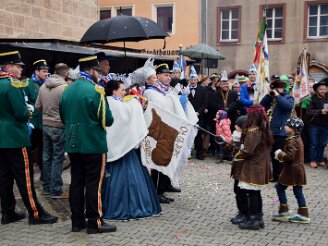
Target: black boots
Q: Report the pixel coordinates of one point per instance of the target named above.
(239, 218)
(253, 222)
(12, 217)
(44, 218)
(104, 228)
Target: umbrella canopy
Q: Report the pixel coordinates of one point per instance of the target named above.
(203, 51)
(123, 28)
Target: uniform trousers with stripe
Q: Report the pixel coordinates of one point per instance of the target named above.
(15, 165)
(87, 171)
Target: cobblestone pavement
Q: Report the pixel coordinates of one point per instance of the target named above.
(199, 216)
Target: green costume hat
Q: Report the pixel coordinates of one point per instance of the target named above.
(162, 68)
(284, 78)
(40, 64)
(90, 62)
(12, 57)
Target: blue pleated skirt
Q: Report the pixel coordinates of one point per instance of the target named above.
(128, 190)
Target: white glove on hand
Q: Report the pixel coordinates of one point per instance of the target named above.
(276, 153)
(186, 91)
(242, 146)
(177, 89)
(30, 125)
(30, 108)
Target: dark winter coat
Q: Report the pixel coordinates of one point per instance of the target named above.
(283, 106)
(314, 111)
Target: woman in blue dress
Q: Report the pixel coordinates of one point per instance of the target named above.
(128, 191)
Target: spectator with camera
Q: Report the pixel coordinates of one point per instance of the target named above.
(279, 104)
(317, 112)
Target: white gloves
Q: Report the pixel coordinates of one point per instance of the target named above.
(186, 91)
(177, 89)
(276, 153)
(30, 125)
(30, 107)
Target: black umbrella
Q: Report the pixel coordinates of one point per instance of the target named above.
(123, 28)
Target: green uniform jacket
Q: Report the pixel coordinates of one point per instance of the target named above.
(85, 112)
(13, 115)
(32, 92)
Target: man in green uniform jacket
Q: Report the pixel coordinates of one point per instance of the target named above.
(85, 113)
(37, 79)
(14, 140)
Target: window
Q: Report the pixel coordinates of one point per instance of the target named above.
(228, 24)
(317, 21)
(275, 23)
(165, 18)
(105, 14)
(124, 11)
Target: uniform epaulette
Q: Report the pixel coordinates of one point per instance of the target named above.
(18, 84)
(252, 129)
(25, 82)
(100, 89)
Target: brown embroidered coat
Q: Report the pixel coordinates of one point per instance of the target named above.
(255, 169)
(292, 158)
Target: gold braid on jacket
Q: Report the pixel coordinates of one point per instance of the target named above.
(102, 105)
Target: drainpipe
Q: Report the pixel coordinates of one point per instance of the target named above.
(201, 21)
(206, 22)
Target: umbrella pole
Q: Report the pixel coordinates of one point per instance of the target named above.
(124, 57)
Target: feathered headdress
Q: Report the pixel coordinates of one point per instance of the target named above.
(140, 75)
(74, 73)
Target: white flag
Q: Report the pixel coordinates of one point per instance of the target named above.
(167, 145)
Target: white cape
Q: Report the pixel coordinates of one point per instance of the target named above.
(128, 130)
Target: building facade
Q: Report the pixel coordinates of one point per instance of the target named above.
(292, 26)
(179, 18)
(58, 19)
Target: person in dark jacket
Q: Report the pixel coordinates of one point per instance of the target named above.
(228, 101)
(301, 109)
(281, 105)
(318, 126)
(210, 112)
(198, 99)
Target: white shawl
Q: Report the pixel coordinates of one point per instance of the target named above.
(128, 130)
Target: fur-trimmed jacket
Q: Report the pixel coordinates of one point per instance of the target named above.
(292, 159)
(255, 169)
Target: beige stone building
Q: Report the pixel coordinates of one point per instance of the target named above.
(292, 26)
(180, 18)
(58, 19)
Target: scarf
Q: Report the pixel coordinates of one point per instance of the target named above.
(225, 98)
(152, 87)
(117, 98)
(37, 80)
(86, 76)
(165, 88)
(103, 79)
(5, 74)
